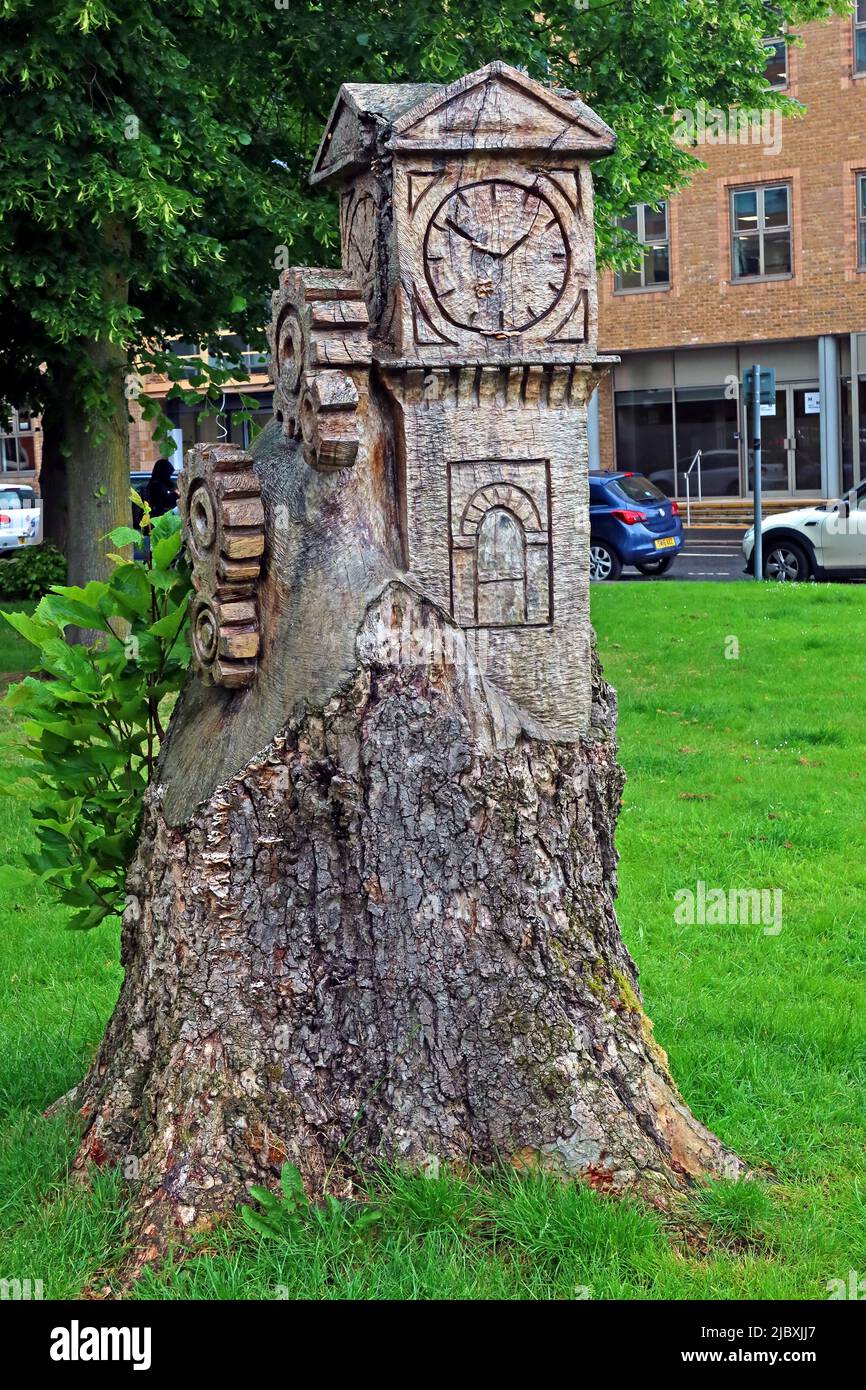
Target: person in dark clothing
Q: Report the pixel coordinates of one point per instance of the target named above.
(161, 490)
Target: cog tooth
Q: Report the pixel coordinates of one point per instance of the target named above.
(319, 338)
(224, 524)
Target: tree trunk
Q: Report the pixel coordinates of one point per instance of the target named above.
(54, 471)
(85, 467)
(391, 935)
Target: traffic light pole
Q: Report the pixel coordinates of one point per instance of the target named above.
(758, 550)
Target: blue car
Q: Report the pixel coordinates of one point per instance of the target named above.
(631, 523)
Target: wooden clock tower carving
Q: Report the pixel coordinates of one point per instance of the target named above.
(467, 306)
(375, 875)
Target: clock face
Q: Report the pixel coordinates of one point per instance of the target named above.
(495, 257)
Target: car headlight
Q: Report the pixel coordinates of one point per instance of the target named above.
(750, 535)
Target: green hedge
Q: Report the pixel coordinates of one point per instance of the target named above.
(31, 572)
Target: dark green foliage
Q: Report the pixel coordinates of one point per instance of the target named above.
(94, 716)
(31, 572)
(167, 147)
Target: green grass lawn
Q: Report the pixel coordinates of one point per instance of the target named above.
(742, 773)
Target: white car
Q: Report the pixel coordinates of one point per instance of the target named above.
(824, 542)
(20, 517)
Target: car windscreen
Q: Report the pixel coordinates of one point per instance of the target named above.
(636, 488)
(10, 501)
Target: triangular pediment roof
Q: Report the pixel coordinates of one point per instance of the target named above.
(496, 108)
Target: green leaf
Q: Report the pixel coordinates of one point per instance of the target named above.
(91, 917)
(164, 551)
(265, 1197)
(34, 630)
(124, 535)
(66, 611)
(128, 586)
(260, 1224)
(170, 625)
(292, 1183)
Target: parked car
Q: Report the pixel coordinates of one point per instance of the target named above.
(823, 542)
(631, 523)
(20, 517)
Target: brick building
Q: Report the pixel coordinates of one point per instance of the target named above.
(192, 424)
(762, 258)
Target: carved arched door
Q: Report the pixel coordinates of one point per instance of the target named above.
(500, 569)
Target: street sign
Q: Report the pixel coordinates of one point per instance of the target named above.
(767, 387)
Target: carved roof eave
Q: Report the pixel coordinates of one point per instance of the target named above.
(599, 362)
(562, 152)
(386, 115)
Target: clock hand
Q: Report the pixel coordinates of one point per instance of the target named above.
(467, 236)
(449, 222)
(501, 255)
(518, 242)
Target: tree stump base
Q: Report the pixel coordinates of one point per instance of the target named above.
(390, 937)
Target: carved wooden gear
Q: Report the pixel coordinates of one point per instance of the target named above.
(224, 523)
(318, 334)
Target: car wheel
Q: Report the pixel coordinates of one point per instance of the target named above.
(786, 563)
(604, 563)
(659, 566)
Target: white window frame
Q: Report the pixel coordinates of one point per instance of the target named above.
(761, 189)
(859, 22)
(773, 43)
(648, 244)
(860, 193)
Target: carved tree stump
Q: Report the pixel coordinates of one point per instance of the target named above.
(390, 935)
(371, 913)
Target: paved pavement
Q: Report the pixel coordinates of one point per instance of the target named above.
(710, 554)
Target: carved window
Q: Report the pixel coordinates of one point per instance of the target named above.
(776, 67)
(860, 37)
(650, 226)
(861, 221)
(761, 232)
(500, 567)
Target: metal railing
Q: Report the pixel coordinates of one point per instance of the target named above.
(687, 475)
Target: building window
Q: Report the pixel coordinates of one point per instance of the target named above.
(698, 418)
(199, 425)
(761, 232)
(860, 37)
(645, 434)
(650, 226)
(248, 359)
(17, 445)
(853, 391)
(776, 69)
(861, 221)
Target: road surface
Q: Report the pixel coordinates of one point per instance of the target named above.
(710, 553)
